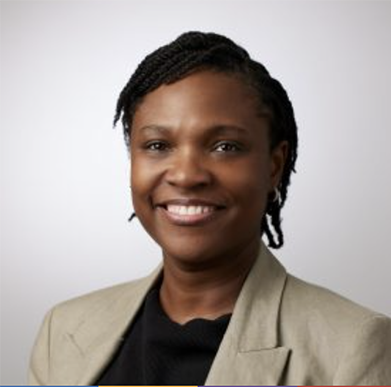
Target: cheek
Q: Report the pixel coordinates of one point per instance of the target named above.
(141, 180)
(250, 182)
(247, 184)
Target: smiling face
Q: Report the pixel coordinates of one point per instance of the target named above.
(201, 167)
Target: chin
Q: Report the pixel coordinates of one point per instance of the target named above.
(195, 251)
(203, 251)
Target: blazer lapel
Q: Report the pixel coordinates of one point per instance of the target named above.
(250, 353)
(255, 368)
(91, 347)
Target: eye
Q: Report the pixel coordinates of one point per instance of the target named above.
(227, 146)
(156, 146)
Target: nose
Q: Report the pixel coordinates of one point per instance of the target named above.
(188, 170)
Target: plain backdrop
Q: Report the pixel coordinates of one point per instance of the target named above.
(65, 172)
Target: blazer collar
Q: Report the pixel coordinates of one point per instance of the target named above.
(248, 355)
(91, 346)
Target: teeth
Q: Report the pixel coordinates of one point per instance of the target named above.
(189, 210)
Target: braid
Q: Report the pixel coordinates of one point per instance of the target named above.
(195, 51)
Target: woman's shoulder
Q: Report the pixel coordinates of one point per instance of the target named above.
(333, 335)
(310, 299)
(103, 302)
(331, 321)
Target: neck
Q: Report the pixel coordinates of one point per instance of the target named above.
(207, 292)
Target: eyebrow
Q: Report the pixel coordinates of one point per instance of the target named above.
(154, 128)
(221, 129)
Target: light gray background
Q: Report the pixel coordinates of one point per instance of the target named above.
(64, 171)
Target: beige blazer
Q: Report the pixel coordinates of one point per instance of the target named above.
(283, 331)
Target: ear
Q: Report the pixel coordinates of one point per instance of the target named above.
(278, 158)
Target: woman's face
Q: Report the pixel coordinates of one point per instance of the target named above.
(201, 167)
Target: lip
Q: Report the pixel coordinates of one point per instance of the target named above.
(189, 219)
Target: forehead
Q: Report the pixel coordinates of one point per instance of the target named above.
(205, 98)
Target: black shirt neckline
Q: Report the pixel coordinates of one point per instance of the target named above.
(159, 351)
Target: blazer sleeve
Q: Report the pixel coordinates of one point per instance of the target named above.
(367, 361)
(40, 358)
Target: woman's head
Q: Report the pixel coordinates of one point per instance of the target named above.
(207, 53)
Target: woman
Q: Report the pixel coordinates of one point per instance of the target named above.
(213, 143)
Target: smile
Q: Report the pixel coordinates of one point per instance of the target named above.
(189, 210)
(189, 214)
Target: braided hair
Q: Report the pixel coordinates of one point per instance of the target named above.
(196, 51)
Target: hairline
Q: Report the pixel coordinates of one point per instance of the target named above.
(240, 73)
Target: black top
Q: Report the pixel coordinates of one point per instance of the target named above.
(158, 351)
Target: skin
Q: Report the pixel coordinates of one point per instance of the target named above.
(203, 138)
